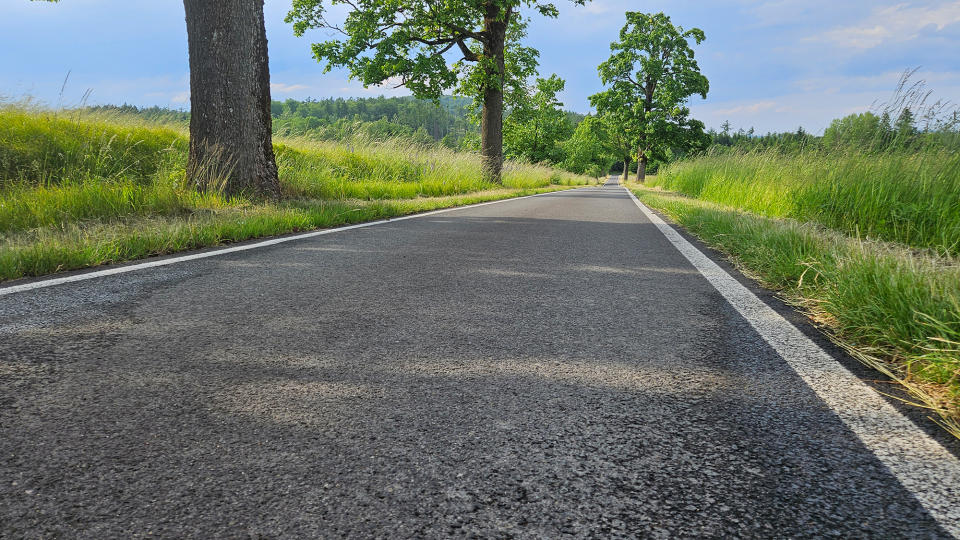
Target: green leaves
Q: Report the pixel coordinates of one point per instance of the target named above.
(425, 45)
(519, 64)
(430, 46)
(537, 124)
(305, 14)
(650, 75)
(591, 149)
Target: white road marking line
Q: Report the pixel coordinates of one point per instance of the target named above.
(227, 250)
(921, 464)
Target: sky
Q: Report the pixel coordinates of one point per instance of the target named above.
(773, 65)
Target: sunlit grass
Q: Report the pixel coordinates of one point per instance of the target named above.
(39, 147)
(892, 306)
(90, 243)
(81, 190)
(911, 198)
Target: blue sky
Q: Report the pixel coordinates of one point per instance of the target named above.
(772, 64)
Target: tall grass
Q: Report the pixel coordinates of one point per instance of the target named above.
(910, 198)
(368, 170)
(90, 243)
(895, 308)
(44, 148)
(70, 183)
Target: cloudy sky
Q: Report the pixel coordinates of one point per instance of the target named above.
(772, 64)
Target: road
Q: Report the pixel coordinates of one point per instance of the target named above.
(544, 367)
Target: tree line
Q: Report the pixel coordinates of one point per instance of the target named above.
(911, 120)
(642, 115)
(861, 132)
(446, 117)
(534, 129)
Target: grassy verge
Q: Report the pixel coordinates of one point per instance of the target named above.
(891, 306)
(82, 191)
(909, 198)
(79, 245)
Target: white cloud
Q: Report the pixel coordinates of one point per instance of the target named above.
(283, 88)
(598, 8)
(882, 83)
(898, 23)
(181, 97)
(751, 108)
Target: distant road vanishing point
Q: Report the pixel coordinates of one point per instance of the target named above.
(562, 365)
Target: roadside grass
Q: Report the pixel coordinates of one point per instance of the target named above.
(82, 191)
(370, 171)
(91, 243)
(893, 307)
(910, 198)
(39, 147)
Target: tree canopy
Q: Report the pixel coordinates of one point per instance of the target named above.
(406, 41)
(537, 124)
(432, 46)
(650, 76)
(591, 149)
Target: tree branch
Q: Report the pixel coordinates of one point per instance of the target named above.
(468, 55)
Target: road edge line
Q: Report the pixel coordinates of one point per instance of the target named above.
(921, 464)
(215, 252)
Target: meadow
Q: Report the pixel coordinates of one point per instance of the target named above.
(80, 189)
(912, 198)
(867, 244)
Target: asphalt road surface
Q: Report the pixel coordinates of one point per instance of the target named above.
(538, 368)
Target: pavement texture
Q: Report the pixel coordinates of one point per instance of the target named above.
(541, 368)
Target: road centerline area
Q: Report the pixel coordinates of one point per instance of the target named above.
(546, 367)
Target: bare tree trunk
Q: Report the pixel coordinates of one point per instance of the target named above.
(626, 168)
(642, 168)
(491, 118)
(230, 124)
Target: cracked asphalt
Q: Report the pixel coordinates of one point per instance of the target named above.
(540, 368)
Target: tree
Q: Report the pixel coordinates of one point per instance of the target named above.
(620, 139)
(609, 139)
(590, 150)
(405, 41)
(536, 125)
(905, 129)
(230, 121)
(231, 145)
(863, 131)
(651, 74)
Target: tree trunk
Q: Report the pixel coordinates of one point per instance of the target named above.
(626, 168)
(491, 118)
(231, 148)
(648, 91)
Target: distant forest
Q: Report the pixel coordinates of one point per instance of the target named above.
(862, 132)
(448, 121)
